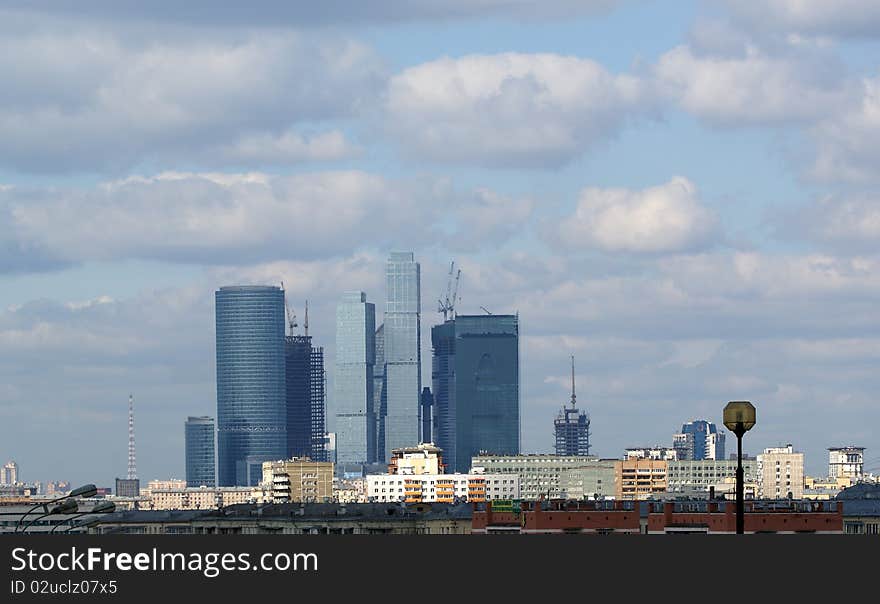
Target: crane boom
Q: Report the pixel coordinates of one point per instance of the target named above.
(291, 315)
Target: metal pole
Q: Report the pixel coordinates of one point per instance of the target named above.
(740, 487)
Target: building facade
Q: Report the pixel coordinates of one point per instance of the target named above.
(380, 402)
(540, 475)
(9, 473)
(199, 445)
(251, 397)
(699, 439)
(422, 459)
(353, 400)
(658, 452)
(298, 480)
(572, 427)
(846, 462)
(780, 473)
(593, 480)
(637, 479)
(476, 387)
(441, 488)
(695, 478)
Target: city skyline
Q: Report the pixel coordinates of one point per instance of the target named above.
(681, 195)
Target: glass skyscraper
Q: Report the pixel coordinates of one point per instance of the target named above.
(476, 387)
(403, 357)
(251, 398)
(379, 402)
(304, 376)
(353, 400)
(698, 439)
(199, 433)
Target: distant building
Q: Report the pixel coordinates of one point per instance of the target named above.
(699, 439)
(695, 478)
(199, 445)
(593, 480)
(422, 459)
(251, 399)
(174, 497)
(403, 352)
(824, 489)
(9, 473)
(298, 480)
(780, 473)
(427, 403)
(540, 475)
(353, 401)
(719, 517)
(659, 452)
(380, 401)
(572, 427)
(846, 462)
(128, 487)
(861, 509)
(476, 387)
(441, 488)
(637, 479)
(306, 400)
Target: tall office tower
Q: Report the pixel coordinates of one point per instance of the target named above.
(353, 402)
(403, 356)
(571, 427)
(427, 410)
(698, 439)
(10, 473)
(199, 439)
(476, 387)
(304, 376)
(379, 393)
(251, 400)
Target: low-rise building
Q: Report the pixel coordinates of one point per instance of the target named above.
(198, 498)
(593, 480)
(657, 452)
(759, 516)
(637, 479)
(297, 479)
(539, 474)
(443, 488)
(696, 478)
(861, 509)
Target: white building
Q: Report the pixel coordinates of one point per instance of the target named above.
(9, 473)
(846, 462)
(659, 453)
(443, 488)
(780, 473)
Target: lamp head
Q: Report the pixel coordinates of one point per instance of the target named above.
(104, 508)
(87, 490)
(739, 416)
(68, 506)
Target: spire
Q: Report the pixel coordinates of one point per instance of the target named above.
(306, 324)
(573, 397)
(132, 468)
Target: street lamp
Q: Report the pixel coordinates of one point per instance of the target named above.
(87, 490)
(67, 506)
(105, 507)
(739, 418)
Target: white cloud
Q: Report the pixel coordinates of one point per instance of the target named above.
(751, 86)
(86, 99)
(665, 218)
(509, 109)
(814, 17)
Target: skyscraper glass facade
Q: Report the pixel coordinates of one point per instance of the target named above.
(353, 399)
(699, 439)
(251, 399)
(476, 387)
(403, 359)
(304, 376)
(199, 433)
(379, 401)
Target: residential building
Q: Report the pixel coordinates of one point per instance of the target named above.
(861, 509)
(199, 451)
(540, 475)
(848, 462)
(719, 517)
(422, 459)
(658, 452)
(128, 487)
(173, 497)
(353, 400)
(637, 479)
(593, 480)
(476, 387)
(780, 473)
(9, 473)
(824, 489)
(699, 439)
(696, 478)
(557, 517)
(403, 356)
(441, 488)
(251, 398)
(298, 479)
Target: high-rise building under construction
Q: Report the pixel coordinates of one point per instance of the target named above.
(572, 427)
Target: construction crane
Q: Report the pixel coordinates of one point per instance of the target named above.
(291, 316)
(446, 306)
(486, 310)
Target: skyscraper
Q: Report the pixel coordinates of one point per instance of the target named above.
(403, 357)
(476, 387)
(571, 427)
(251, 401)
(427, 411)
(698, 439)
(379, 400)
(304, 376)
(353, 400)
(10, 473)
(199, 438)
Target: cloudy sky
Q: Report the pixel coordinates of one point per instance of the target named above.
(682, 195)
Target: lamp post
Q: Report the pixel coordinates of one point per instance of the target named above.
(87, 490)
(68, 506)
(106, 507)
(739, 418)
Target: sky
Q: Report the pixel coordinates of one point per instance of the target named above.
(681, 195)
